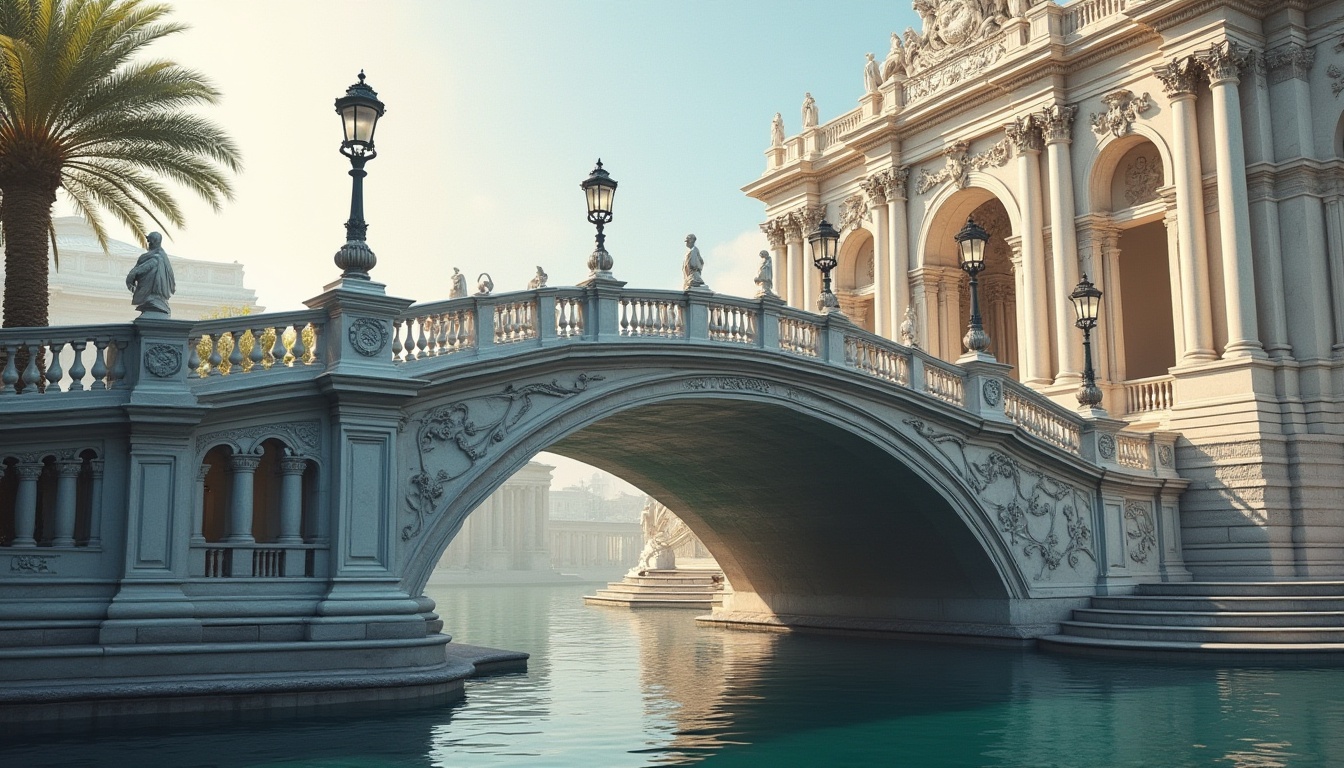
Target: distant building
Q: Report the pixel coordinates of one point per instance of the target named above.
(90, 285)
(509, 531)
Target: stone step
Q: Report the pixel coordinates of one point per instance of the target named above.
(615, 591)
(1211, 618)
(657, 579)
(1251, 635)
(1198, 603)
(703, 602)
(1093, 645)
(1244, 588)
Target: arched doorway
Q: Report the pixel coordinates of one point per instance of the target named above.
(998, 292)
(854, 278)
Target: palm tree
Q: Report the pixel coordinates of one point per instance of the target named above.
(81, 111)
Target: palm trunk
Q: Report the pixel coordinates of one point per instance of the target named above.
(25, 215)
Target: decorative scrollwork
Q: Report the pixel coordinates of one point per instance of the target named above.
(452, 424)
(1164, 455)
(1140, 531)
(992, 392)
(368, 336)
(1035, 506)
(32, 564)
(1106, 446)
(163, 360)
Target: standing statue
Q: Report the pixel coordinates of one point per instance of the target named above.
(484, 284)
(691, 267)
(538, 280)
(809, 111)
(459, 285)
(765, 277)
(872, 75)
(908, 337)
(777, 131)
(151, 280)
(895, 61)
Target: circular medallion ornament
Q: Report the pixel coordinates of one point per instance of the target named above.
(368, 336)
(163, 360)
(992, 391)
(1164, 455)
(1106, 446)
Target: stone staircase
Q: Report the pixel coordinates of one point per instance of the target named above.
(1304, 617)
(674, 588)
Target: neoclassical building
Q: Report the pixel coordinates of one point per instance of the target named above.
(1187, 156)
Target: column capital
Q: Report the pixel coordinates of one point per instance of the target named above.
(808, 218)
(1024, 134)
(244, 463)
(202, 471)
(1224, 62)
(28, 471)
(1291, 61)
(69, 467)
(1056, 122)
(293, 465)
(886, 185)
(774, 231)
(1180, 76)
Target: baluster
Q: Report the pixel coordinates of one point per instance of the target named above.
(193, 359)
(214, 360)
(10, 376)
(99, 371)
(421, 343)
(441, 327)
(30, 374)
(278, 349)
(257, 354)
(118, 379)
(77, 366)
(452, 332)
(300, 350)
(236, 353)
(54, 372)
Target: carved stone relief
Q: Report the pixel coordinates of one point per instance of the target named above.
(1106, 446)
(853, 211)
(729, 384)
(35, 564)
(1335, 74)
(470, 427)
(1140, 531)
(302, 437)
(163, 360)
(1122, 111)
(1046, 518)
(1143, 176)
(957, 163)
(1290, 61)
(368, 336)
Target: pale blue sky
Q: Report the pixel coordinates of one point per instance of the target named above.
(496, 111)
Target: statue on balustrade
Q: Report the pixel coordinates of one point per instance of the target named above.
(895, 62)
(908, 337)
(809, 111)
(872, 75)
(484, 284)
(151, 280)
(765, 277)
(459, 285)
(538, 280)
(691, 267)
(777, 131)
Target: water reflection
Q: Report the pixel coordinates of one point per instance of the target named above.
(618, 687)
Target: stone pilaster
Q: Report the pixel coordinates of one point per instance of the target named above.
(1057, 126)
(1025, 135)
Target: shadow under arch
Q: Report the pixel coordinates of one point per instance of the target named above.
(946, 213)
(811, 511)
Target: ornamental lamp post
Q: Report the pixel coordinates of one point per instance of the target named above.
(971, 242)
(359, 109)
(823, 241)
(599, 189)
(1086, 300)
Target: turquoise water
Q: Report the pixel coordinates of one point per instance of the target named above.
(610, 687)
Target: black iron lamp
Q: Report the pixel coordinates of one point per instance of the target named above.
(599, 189)
(1086, 300)
(971, 241)
(359, 109)
(823, 241)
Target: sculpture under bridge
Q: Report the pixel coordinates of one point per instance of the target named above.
(253, 505)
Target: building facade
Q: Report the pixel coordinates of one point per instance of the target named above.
(510, 531)
(1187, 156)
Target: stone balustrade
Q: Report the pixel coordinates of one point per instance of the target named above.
(1150, 395)
(1085, 13)
(254, 343)
(75, 358)
(1037, 417)
(224, 560)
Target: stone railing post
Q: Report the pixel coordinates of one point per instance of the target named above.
(603, 316)
(485, 323)
(834, 328)
(697, 315)
(545, 314)
(767, 322)
(918, 382)
(358, 334)
(984, 389)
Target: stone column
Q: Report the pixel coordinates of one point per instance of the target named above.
(96, 505)
(774, 232)
(25, 503)
(793, 235)
(1025, 135)
(1057, 125)
(1109, 335)
(1334, 227)
(1019, 297)
(1174, 268)
(1180, 77)
(66, 483)
(291, 499)
(875, 187)
(240, 505)
(1224, 63)
(900, 246)
(809, 217)
(198, 506)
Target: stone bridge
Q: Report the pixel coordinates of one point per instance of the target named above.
(260, 500)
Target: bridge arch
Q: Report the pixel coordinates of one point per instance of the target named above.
(817, 498)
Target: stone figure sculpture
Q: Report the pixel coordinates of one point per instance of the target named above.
(872, 75)
(484, 284)
(895, 61)
(658, 524)
(459, 286)
(151, 280)
(765, 277)
(809, 111)
(538, 280)
(777, 131)
(691, 267)
(908, 337)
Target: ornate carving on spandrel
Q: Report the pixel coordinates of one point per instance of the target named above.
(955, 161)
(853, 210)
(1122, 110)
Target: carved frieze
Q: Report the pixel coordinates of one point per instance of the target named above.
(954, 71)
(1122, 111)
(1140, 531)
(1045, 517)
(470, 427)
(301, 436)
(33, 564)
(728, 384)
(957, 163)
